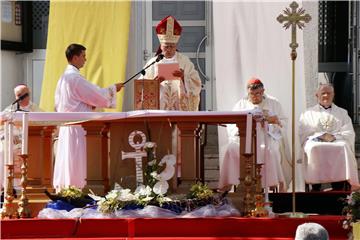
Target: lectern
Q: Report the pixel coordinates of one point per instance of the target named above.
(146, 94)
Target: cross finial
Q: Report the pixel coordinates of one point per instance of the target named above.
(295, 18)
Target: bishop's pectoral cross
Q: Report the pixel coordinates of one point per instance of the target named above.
(294, 18)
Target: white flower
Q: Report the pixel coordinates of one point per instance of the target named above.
(113, 194)
(161, 187)
(117, 186)
(95, 197)
(149, 145)
(155, 175)
(126, 195)
(166, 199)
(151, 163)
(101, 201)
(147, 199)
(143, 191)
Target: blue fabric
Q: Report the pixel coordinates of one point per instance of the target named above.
(133, 206)
(60, 205)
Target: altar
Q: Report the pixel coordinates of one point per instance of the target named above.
(111, 136)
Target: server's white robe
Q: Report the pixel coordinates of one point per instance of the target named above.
(75, 94)
(326, 162)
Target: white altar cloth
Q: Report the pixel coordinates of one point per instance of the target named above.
(55, 118)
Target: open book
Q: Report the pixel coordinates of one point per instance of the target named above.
(166, 70)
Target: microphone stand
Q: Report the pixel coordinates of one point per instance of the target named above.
(18, 109)
(17, 101)
(142, 71)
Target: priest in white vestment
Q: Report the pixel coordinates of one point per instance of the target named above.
(183, 91)
(75, 94)
(327, 137)
(24, 104)
(277, 161)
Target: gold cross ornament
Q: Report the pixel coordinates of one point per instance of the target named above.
(295, 18)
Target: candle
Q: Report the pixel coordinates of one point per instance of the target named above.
(259, 144)
(25, 130)
(11, 143)
(248, 133)
(266, 159)
(6, 155)
(6, 144)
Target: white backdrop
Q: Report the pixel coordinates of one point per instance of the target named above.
(249, 41)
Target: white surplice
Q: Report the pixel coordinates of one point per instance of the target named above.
(278, 162)
(75, 94)
(175, 94)
(326, 162)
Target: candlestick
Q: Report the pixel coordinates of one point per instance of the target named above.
(9, 208)
(248, 133)
(25, 130)
(23, 209)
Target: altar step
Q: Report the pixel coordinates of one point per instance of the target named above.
(211, 157)
(166, 228)
(324, 203)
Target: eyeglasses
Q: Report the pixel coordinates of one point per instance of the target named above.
(169, 46)
(260, 93)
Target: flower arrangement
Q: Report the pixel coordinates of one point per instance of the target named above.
(71, 195)
(120, 198)
(156, 173)
(351, 210)
(154, 192)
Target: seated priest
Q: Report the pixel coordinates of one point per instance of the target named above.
(180, 88)
(327, 138)
(24, 104)
(22, 93)
(277, 160)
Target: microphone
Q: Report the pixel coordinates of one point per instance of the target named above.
(142, 71)
(22, 97)
(159, 57)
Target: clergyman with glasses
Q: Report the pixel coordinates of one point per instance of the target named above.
(278, 164)
(327, 138)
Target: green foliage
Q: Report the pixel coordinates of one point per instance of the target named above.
(351, 209)
(71, 192)
(200, 191)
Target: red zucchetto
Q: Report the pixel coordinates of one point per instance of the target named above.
(168, 30)
(254, 80)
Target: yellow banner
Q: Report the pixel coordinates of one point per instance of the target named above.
(103, 28)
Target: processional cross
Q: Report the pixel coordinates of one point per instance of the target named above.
(296, 18)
